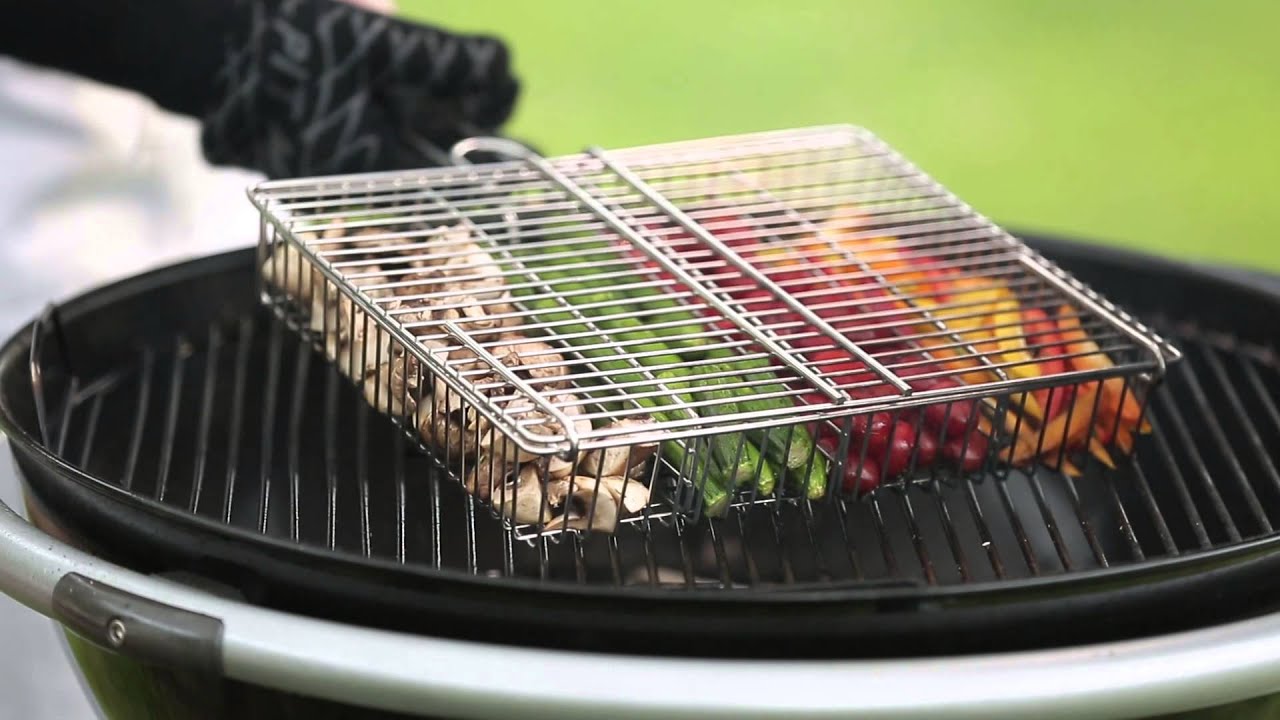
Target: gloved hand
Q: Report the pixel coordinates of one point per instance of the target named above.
(311, 87)
(285, 87)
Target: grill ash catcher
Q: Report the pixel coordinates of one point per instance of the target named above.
(653, 335)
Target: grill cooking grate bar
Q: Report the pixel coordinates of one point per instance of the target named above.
(140, 419)
(382, 502)
(209, 387)
(1187, 442)
(171, 416)
(1214, 427)
(296, 407)
(244, 346)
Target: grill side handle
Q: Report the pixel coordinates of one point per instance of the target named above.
(140, 628)
(123, 612)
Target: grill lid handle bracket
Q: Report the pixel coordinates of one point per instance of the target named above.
(137, 627)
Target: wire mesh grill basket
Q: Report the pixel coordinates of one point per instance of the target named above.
(796, 316)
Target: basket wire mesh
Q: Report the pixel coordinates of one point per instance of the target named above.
(687, 328)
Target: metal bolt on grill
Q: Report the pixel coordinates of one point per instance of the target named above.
(699, 326)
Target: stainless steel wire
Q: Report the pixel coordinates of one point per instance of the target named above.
(809, 275)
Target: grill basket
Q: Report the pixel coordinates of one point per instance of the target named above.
(690, 328)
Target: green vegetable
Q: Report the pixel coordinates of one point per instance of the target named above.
(682, 338)
(738, 459)
(717, 478)
(734, 459)
(791, 446)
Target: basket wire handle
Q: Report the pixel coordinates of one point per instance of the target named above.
(496, 145)
(49, 321)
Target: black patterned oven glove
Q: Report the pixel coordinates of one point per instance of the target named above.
(318, 87)
(285, 87)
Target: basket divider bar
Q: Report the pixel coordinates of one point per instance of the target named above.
(729, 254)
(832, 392)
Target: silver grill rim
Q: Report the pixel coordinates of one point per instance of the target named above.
(384, 670)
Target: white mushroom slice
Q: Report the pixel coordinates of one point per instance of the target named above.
(445, 398)
(372, 276)
(499, 444)
(633, 494)
(487, 474)
(569, 405)
(509, 319)
(558, 467)
(585, 508)
(392, 387)
(533, 361)
(625, 460)
(523, 411)
(470, 317)
(422, 282)
(459, 432)
(474, 272)
(288, 270)
(616, 497)
(358, 344)
(335, 233)
(522, 499)
(445, 238)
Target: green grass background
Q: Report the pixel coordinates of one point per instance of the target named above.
(1139, 123)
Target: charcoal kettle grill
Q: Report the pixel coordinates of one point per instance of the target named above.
(215, 508)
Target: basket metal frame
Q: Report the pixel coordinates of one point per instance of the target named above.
(293, 207)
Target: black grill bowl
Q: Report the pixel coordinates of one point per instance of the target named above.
(204, 441)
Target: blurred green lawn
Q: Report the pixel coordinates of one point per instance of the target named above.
(1143, 123)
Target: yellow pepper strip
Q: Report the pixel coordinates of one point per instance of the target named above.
(1092, 358)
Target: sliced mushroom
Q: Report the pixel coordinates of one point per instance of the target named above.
(470, 317)
(358, 344)
(440, 242)
(372, 275)
(583, 507)
(459, 432)
(486, 474)
(420, 282)
(522, 412)
(288, 270)
(632, 494)
(625, 460)
(392, 387)
(533, 361)
(498, 443)
(588, 506)
(523, 500)
(567, 403)
(472, 271)
(335, 233)
(558, 467)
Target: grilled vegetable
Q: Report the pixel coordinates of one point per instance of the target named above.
(737, 459)
(587, 343)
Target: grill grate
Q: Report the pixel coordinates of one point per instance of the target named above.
(720, 290)
(183, 430)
